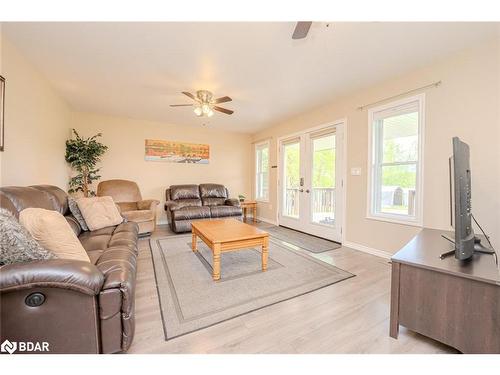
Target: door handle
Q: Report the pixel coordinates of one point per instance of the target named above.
(307, 191)
(301, 190)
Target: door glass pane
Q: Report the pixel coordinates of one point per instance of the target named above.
(397, 195)
(323, 180)
(291, 179)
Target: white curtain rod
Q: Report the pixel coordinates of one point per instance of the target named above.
(432, 85)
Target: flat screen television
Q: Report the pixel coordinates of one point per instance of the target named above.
(465, 242)
(461, 205)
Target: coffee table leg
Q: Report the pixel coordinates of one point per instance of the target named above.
(244, 214)
(216, 266)
(193, 242)
(255, 213)
(265, 252)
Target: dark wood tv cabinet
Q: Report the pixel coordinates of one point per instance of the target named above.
(456, 303)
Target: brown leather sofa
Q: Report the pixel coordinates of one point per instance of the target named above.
(127, 196)
(75, 306)
(187, 203)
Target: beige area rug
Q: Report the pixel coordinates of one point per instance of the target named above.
(190, 300)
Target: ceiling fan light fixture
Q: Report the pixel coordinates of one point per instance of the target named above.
(198, 111)
(204, 104)
(205, 108)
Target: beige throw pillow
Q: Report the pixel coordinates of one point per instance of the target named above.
(51, 230)
(99, 212)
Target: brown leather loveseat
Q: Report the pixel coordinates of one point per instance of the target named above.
(187, 203)
(75, 306)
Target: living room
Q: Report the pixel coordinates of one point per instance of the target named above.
(254, 187)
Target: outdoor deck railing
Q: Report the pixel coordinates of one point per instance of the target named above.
(323, 200)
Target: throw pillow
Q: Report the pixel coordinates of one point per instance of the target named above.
(16, 243)
(51, 230)
(99, 212)
(73, 207)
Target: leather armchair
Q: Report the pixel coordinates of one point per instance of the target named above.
(127, 197)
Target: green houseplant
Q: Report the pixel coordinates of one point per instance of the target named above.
(83, 154)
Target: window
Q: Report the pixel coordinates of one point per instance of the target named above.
(395, 188)
(262, 171)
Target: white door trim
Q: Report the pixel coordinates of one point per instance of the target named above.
(343, 168)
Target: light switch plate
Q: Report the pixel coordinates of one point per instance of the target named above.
(356, 171)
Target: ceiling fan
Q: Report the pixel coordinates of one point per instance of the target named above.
(205, 104)
(301, 29)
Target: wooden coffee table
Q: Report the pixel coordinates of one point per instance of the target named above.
(229, 235)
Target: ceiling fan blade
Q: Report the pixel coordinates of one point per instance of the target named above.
(223, 99)
(189, 94)
(301, 29)
(223, 110)
(181, 105)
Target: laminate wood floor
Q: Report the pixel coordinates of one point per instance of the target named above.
(349, 317)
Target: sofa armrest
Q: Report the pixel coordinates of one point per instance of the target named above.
(76, 275)
(148, 204)
(232, 202)
(171, 205)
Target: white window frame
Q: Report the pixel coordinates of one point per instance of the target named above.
(259, 146)
(416, 220)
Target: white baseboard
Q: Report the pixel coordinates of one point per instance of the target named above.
(368, 250)
(266, 220)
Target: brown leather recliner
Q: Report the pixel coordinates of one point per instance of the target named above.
(187, 203)
(127, 196)
(75, 306)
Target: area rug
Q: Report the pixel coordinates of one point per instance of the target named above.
(302, 240)
(190, 300)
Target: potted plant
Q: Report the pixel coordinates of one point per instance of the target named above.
(83, 154)
(241, 198)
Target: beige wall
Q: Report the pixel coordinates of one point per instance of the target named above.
(229, 155)
(36, 125)
(466, 105)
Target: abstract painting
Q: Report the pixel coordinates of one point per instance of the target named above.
(176, 152)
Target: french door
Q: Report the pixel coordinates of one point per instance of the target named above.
(310, 182)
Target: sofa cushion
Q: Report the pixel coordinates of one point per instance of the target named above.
(99, 212)
(213, 201)
(175, 205)
(184, 192)
(92, 240)
(223, 211)
(73, 223)
(73, 207)
(16, 243)
(17, 198)
(124, 234)
(57, 196)
(51, 230)
(189, 213)
(138, 216)
(127, 206)
(213, 191)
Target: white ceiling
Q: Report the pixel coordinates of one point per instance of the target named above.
(137, 69)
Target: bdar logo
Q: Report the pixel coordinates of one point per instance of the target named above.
(9, 347)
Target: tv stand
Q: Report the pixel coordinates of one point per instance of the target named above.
(456, 303)
(478, 247)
